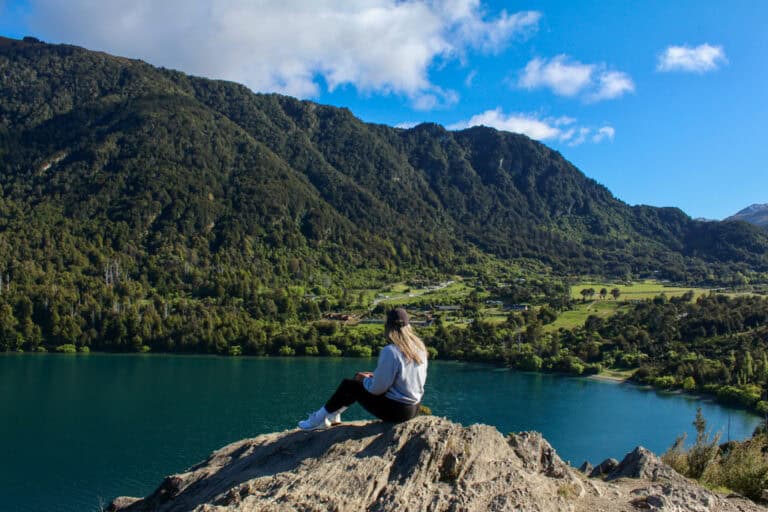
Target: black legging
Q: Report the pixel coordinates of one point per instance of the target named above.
(351, 391)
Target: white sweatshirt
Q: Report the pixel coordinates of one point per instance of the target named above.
(397, 377)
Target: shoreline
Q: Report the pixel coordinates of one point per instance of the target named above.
(608, 378)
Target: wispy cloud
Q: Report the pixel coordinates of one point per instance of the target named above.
(603, 133)
(567, 77)
(291, 46)
(561, 129)
(612, 84)
(470, 78)
(698, 59)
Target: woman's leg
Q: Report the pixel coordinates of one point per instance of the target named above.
(348, 392)
(351, 391)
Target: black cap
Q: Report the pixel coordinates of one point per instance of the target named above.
(397, 318)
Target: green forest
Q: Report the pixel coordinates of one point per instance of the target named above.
(142, 209)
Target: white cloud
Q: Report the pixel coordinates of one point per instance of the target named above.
(566, 77)
(612, 84)
(699, 59)
(604, 132)
(290, 46)
(560, 129)
(407, 124)
(518, 123)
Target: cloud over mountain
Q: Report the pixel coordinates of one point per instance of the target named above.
(289, 46)
(562, 129)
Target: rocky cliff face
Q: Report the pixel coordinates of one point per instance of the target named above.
(428, 463)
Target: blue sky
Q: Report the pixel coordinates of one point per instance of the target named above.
(664, 102)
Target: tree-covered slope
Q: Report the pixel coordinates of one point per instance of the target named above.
(162, 171)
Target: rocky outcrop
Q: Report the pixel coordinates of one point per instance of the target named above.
(642, 463)
(428, 463)
(603, 468)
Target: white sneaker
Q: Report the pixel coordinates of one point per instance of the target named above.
(316, 421)
(335, 417)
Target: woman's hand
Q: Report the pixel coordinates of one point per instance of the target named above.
(360, 376)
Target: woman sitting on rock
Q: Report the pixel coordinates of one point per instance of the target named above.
(393, 391)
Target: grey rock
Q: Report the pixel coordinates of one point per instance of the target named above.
(428, 463)
(642, 463)
(604, 468)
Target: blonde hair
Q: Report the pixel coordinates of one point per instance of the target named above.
(408, 342)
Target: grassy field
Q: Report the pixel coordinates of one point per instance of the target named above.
(402, 294)
(636, 291)
(614, 375)
(456, 292)
(578, 315)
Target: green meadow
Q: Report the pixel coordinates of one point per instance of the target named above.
(636, 291)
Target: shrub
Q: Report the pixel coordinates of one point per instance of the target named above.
(747, 396)
(741, 467)
(631, 360)
(66, 349)
(574, 365)
(530, 362)
(83, 350)
(235, 350)
(360, 351)
(593, 369)
(704, 450)
(311, 350)
(676, 456)
(432, 352)
(745, 468)
(689, 384)
(332, 350)
(664, 382)
(697, 460)
(285, 350)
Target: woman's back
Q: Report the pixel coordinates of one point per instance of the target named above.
(398, 377)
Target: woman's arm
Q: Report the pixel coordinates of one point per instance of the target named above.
(384, 375)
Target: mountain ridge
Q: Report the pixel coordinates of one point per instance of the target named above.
(756, 214)
(166, 162)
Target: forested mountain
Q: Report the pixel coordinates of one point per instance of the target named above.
(104, 157)
(756, 214)
(141, 206)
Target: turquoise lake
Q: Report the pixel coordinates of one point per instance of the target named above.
(78, 430)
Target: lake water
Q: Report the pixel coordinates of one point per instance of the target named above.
(78, 430)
